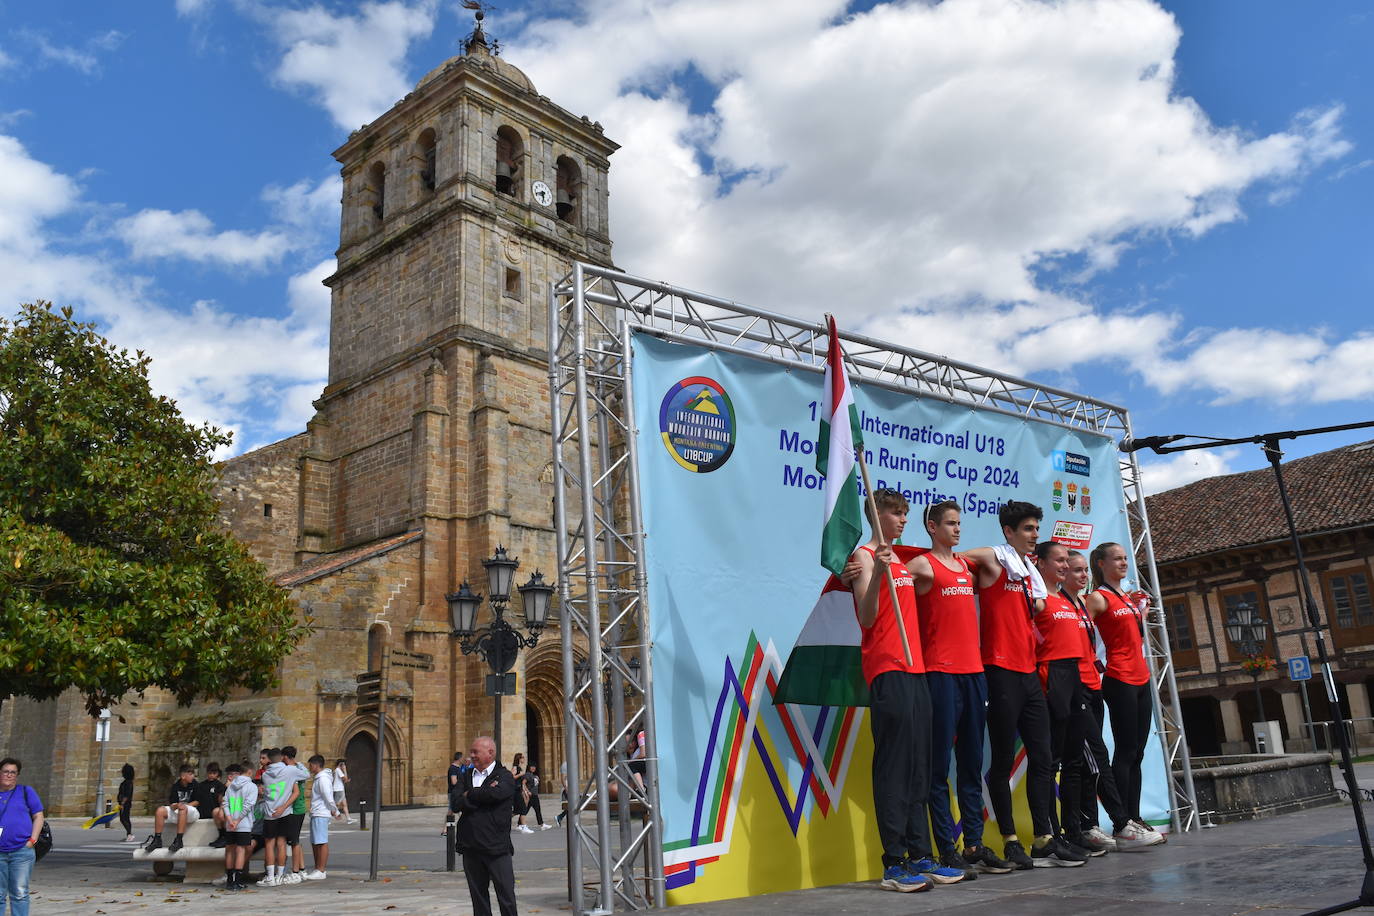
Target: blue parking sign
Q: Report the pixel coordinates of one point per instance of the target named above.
(1299, 668)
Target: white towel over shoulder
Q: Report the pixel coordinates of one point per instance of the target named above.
(1018, 568)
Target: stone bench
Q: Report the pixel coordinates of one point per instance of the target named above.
(203, 862)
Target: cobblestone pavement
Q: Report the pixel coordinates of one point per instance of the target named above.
(1280, 866)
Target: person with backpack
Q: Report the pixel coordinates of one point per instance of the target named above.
(21, 822)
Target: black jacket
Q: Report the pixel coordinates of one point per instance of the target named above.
(484, 813)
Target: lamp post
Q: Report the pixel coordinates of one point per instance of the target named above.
(498, 643)
(1247, 629)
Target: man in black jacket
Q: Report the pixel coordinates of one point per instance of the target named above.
(484, 808)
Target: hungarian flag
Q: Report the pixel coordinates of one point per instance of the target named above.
(824, 667)
(840, 436)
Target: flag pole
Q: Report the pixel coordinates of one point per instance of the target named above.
(882, 542)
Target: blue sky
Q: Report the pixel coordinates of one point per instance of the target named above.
(1166, 206)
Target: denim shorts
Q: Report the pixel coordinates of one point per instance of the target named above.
(319, 831)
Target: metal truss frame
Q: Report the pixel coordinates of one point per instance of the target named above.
(593, 311)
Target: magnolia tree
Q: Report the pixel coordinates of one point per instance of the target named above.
(115, 574)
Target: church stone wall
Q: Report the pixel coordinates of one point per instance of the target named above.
(259, 496)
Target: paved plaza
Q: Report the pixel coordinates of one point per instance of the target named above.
(1280, 866)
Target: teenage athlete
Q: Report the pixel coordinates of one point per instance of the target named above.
(1094, 780)
(1010, 594)
(1057, 654)
(1125, 685)
(899, 704)
(958, 690)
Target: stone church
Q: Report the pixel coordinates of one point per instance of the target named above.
(430, 447)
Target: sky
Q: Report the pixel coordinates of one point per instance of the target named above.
(1166, 206)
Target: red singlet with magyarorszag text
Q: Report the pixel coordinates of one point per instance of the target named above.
(881, 648)
(1087, 662)
(1063, 633)
(1120, 626)
(1007, 638)
(949, 620)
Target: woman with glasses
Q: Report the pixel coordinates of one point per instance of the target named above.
(21, 820)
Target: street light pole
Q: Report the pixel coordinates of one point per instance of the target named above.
(1247, 630)
(499, 643)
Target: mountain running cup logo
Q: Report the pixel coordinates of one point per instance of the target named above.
(697, 423)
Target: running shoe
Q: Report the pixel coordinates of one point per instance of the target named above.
(953, 860)
(985, 861)
(524, 829)
(315, 875)
(219, 842)
(1131, 838)
(1096, 833)
(1150, 831)
(897, 878)
(176, 846)
(1086, 844)
(270, 881)
(1015, 853)
(933, 870)
(546, 826)
(291, 878)
(1052, 853)
(153, 842)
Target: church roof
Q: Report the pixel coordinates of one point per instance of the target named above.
(1329, 491)
(325, 564)
(478, 54)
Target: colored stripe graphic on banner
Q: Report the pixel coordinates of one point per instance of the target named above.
(739, 723)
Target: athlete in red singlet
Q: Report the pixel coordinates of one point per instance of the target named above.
(1016, 702)
(1059, 652)
(1093, 775)
(899, 710)
(1126, 684)
(958, 691)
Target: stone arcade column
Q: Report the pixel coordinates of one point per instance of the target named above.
(1234, 739)
(1298, 739)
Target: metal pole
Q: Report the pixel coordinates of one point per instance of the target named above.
(101, 725)
(377, 789)
(571, 751)
(1307, 715)
(1272, 451)
(1161, 631)
(496, 729)
(655, 863)
(606, 891)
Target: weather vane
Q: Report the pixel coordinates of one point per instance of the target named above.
(477, 36)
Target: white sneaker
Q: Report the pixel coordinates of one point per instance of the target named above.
(270, 881)
(1149, 833)
(1100, 836)
(351, 820)
(293, 878)
(546, 826)
(524, 829)
(219, 882)
(315, 875)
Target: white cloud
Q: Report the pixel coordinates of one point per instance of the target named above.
(912, 168)
(303, 205)
(5, 60)
(353, 65)
(84, 59)
(189, 8)
(1185, 468)
(223, 368)
(190, 234)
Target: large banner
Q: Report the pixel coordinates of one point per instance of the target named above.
(760, 798)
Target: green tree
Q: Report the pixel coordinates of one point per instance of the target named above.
(115, 574)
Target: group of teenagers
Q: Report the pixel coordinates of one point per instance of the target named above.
(263, 809)
(1001, 641)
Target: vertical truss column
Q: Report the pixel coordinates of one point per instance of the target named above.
(1168, 713)
(601, 578)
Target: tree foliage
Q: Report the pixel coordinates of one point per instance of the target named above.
(115, 574)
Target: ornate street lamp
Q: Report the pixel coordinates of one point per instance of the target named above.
(498, 643)
(1248, 630)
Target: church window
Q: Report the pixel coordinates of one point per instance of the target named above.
(512, 283)
(510, 156)
(376, 645)
(376, 181)
(266, 510)
(569, 189)
(426, 149)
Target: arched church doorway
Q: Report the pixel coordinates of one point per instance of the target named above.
(533, 731)
(361, 755)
